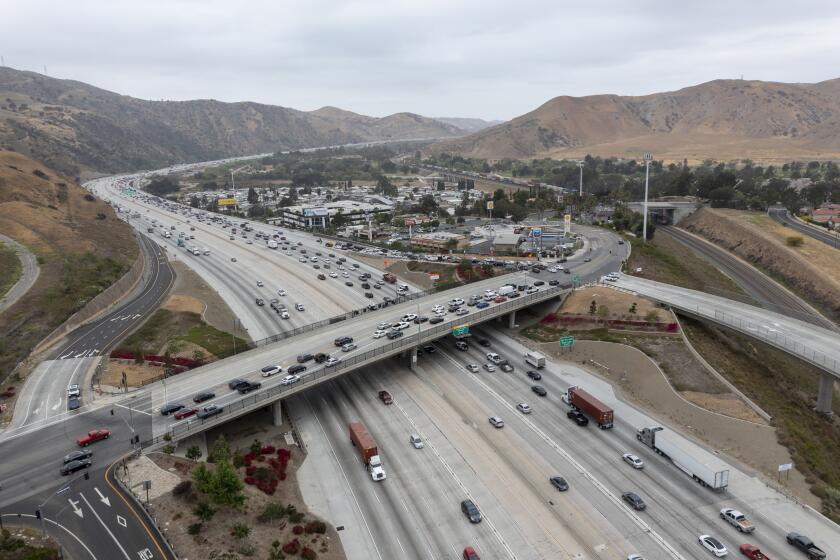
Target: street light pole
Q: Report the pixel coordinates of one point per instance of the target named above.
(648, 158)
(581, 164)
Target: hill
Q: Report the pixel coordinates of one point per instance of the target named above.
(467, 124)
(80, 244)
(722, 119)
(73, 126)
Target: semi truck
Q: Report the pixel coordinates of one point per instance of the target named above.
(706, 470)
(366, 446)
(591, 407)
(535, 359)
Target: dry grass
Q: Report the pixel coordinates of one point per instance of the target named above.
(618, 303)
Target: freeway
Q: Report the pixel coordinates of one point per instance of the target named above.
(760, 287)
(29, 273)
(782, 216)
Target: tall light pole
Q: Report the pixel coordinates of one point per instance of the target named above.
(581, 164)
(648, 158)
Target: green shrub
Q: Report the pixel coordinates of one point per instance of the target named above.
(794, 241)
(183, 488)
(195, 528)
(204, 511)
(316, 526)
(272, 512)
(239, 530)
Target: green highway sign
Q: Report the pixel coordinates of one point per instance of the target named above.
(461, 330)
(576, 280)
(566, 341)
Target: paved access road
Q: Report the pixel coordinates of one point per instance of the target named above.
(760, 287)
(29, 273)
(783, 217)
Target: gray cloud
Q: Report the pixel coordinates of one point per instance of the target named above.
(490, 58)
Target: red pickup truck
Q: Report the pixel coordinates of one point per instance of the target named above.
(93, 436)
(753, 553)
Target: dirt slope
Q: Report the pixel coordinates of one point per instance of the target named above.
(719, 119)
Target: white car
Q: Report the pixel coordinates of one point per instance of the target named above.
(300, 307)
(284, 315)
(712, 545)
(416, 441)
(462, 311)
(409, 317)
(402, 325)
(489, 367)
(456, 301)
(532, 290)
(332, 361)
(268, 371)
(553, 269)
(383, 326)
(495, 358)
(333, 275)
(472, 367)
(302, 259)
(635, 557)
(73, 390)
(524, 408)
(348, 347)
(438, 308)
(259, 283)
(633, 461)
(379, 334)
(290, 380)
(281, 292)
(497, 422)
(345, 275)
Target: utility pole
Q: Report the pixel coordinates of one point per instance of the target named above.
(648, 158)
(581, 164)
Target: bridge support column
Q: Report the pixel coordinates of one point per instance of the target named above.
(512, 319)
(277, 413)
(412, 358)
(825, 394)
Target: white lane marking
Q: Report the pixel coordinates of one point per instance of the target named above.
(106, 527)
(81, 354)
(76, 509)
(57, 404)
(121, 520)
(59, 525)
(65, 355)
(104, 499)
(132, 409)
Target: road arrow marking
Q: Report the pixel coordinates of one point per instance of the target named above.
(103, 499)
(76, 510)
(121, 520)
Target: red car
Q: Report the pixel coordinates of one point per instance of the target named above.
(470, 554)
(752, 552)
(500, 299)
(184, 413)
(93, 436)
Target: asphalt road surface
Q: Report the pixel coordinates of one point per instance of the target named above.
(783, 217)
(29, 273)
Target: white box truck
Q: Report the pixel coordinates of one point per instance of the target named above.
(702, 467)
(535, 359)
(272, 244)
(507, 289)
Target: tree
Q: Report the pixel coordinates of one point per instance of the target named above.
(593, 307)
(451, 244)
(226, 486)
(220, 451)
(161, 186)
(603, 311)
(339, 220)
(194, 453)
(632, 309)
(253, 197)
(202, 477)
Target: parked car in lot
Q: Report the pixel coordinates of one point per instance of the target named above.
(635, 501)
(559, 482)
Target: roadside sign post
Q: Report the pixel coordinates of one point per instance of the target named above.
(786, 468)
(576, 280)
(566, 342)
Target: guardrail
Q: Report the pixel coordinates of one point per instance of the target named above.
(275, 392)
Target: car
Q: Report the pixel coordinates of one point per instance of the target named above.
(470, 554)
(74, 466)
(587, 259)
(201, 397)
(209, 410)
(290, 380)
(482, 305)
(635, 501)
(385, 397)
(435, 320)
(471, 511)
(554, 283)
(484, 342)
(321, 277)
(169, 408)
(635, 557)
(78, 455)
(462, 345)
(538, 283)
(259, 283)
(712, 545)
(500, 299)
(420, 319)
(234, 383)
(74, 403)
(578, 417)
(429, 349)
(303, 358)
(408, 317)
(333, 275)
(268, 371)
(342, 340)
(416, 441)
(260, 301)
(383, 326)
(496, 422)
(350, 346)
(348, 284)
(535, 375)
(73, 391)
(284, 314)
(332, 361)
(378, 334)
(506, 367)
(93, 436)
(462, 311)
(472, 367)
(633, 461)
(559, 482)
(295, 369)
(281, 292)
(185, 413)
(524, 408)
(489, 367)
(402, 325)
(393, 333)
(299, 307)
(539, 390)
(248, 386)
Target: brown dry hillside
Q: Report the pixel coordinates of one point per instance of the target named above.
(82, 248)
(722, 119)
(72, 126)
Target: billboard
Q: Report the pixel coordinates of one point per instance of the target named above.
(226, 201)
(536, 232)
(567, 223)
(489, 204)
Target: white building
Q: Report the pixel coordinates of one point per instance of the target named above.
(320, 217)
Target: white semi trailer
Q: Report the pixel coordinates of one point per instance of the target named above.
(703, 467)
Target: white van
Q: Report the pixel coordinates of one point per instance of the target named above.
(535, 359)
(506, 290)
(493, 357)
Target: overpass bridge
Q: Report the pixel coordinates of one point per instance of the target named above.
(667, 212)
(811, 343)
(215, 376)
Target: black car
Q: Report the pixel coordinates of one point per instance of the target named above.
(429, 349)
(506, 367)
(535, 270)
(540, 390)
(471, 511)
(578, 417)
(320, 358)
(435, 320)
(169, 408)
(635, 501)
(349, 284)
(559, 482)
(369, 295)
(342, 340)
(74, 466)
(535, 375)
(420, 319)
(73, 403)
(484, 342)
(321, 276)
(247, 387)
(78, 455)
(201, 397)
(365, 286)
(539, 283)
(302, 358)
(297, 368)
(522, 287)
(554, 282)
(234, 383)
(393, 334)
(208, 411)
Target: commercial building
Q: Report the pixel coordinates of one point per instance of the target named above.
(321, 217)
(826, 213)
(440, 240)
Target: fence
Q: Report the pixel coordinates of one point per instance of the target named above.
(273, 393)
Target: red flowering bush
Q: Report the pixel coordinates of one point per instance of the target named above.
(292, 547)
(297, 530)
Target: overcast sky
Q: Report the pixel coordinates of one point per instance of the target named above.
(485, 58)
